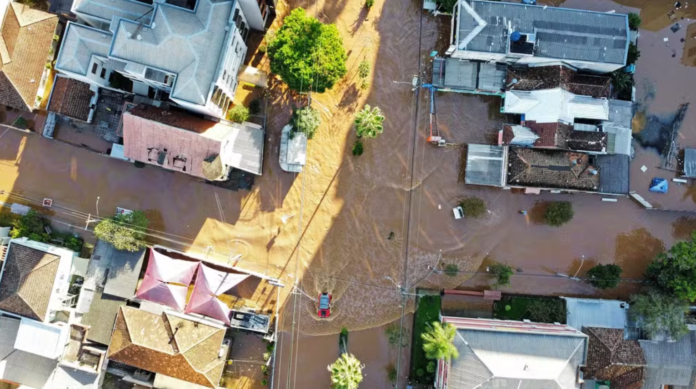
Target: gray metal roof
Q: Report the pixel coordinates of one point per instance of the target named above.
(186, 43)
(620, 113)
(485, 165)
(243, 148)
(460, 74)
(670, 363)
(107, 9)
(595, 313)
(561, 33)
(19, 366)
(101, 316)
(122, 268)
(492, 76)
(80, 43)
(690, 162)
(468, 75)
(618, 139)
(514, 360)
(70, 378)
(613, 173)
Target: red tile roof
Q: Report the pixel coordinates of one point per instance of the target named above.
(71, 98)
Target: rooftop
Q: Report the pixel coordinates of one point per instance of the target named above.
(690, 162)
(485, 165)
(596, 313)
(27, 36)
(614, 173)
(507, 354)
(550, 77)
(71, 98)
(553, 105)
(620, 114)
(670, 363)
(612, 358)
(168, 344)
(108, 9)
(20, 366)
(558, 33)
(552, 169)
(80, 43)
(468, 75)
(186, 43)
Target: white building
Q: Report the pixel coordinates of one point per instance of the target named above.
(191, 56)
(539, 35)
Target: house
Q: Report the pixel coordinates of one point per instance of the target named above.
(596, 313)
(25, 49)
(507, 354)
(41, 346)
(539, 35)
(185, 143)
(72, 98)
(689, 169)
(670, 363)
(553, 105)
(293, 150)
(612, 358)
(177, 350)
(561, 76)
(190, 56)
(485, 165)
(456, 75)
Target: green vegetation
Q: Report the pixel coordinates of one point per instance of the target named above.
(473, 207)
(364, 68)
(633, 54)
(32, 226)
(394, 336)
(306, 120)
(428, 311)
(369, 3)
(502, 274)
(369, 122)
(7, 219)
(364, 85)
(438, 342)
(674, 272)
(358, 148)
(307, 54)
(432, 365)
(238, 114)
(346, 372)
(634, 21)
(623, 84)
(21, 122)
(263, 48)
(446, 6)
(657, 313)
(451, 269)
(558, 213)
(605, 276)
(124, 232)
(255, 106)
(536, 309)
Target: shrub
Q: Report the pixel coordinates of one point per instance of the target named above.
(605, 276)
(634, 21)
(391, 374)
(364, 68)
(502, 274)
(633, 54)
(420, 373)
(307, 54)
(393, 332)
(266, 356)
(264, 369)
(124, 232)
(369, 3)
(674, 272)
(255, 106)
(238, 113)
(270, 346)
(473, 207)
(264, 382)
(657, 313)
(369, 122)
(30, 225)
(73, 243)
(358, 148)
(344, 331)
(364, 85)
(431, 367)
(559, 213)
(447, 6)
(306, 120)
(451, 269)
(547, 311)
(263, 48)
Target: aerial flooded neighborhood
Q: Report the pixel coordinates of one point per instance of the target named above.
(374, 194)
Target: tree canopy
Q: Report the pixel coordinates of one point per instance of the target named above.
(675, 271)
(473, 207)
(502, 274)
(658, 313)
(346, 372)
(306, 120)
(605, 276)
(124, 232)
(559, 213)
(369, 122)
(307, 54)
(30, 225)
(438, 341)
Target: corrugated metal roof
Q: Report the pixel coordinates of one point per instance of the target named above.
(460, 74)
(596, 313)
(242, 148)
(613, 173)
(620, 113)
(123, 269)
(69, 378)
(492, 76)
(485, 165)
(690, 162)
(670, 363)
(19, 366)
(552, 105)
(619, 140)
(561, 33)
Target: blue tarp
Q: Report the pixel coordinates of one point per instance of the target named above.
(659, 185)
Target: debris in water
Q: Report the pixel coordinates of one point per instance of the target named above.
(644, 168)
(675, 27)
(391, 235)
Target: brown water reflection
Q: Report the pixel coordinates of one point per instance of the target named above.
(635, 250)
(683, 227)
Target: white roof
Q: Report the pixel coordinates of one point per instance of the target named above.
(552, 105)
(106, 9)
(70, 378)
(80, 43)
(619, 141)
(596, 313)
(19, 366)
(297, 149)
(41, 339)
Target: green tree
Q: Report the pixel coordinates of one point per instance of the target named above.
(30, 225)
(605, 276)
(473, 207)
(633, 54)
(369, 122)
(307, 54)
(391, 374)
(502, 274)
(346, 372)
(306, 120)
(634, 21)
(621, 80)
(395, 337)
(358, 148)
(675, 271)
(238, 114)
(364, 68)
(558, 213)
(446, 6)
(451, 269)
(658, 313)
(124, 232)
(438, 341)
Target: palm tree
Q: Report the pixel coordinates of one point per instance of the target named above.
(621, 80)
(368, 122)
(346, 372)
(438, 341)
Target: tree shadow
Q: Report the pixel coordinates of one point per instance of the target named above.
(537, 212)
(362, 18)
(635, 250)
(349, 100)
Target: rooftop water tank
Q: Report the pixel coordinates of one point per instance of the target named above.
(515, 36)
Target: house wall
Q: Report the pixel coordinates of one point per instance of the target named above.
(92, 21)
(209, 109)
(596, 67)
(255, 13)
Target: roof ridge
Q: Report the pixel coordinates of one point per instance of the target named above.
(580, 343)
(9, 79)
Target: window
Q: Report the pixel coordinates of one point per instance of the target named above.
(166, 79)
(103, 73)
(224, 75)
(94, 68)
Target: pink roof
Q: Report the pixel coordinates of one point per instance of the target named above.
(173, 296)
(165, 269)
(141, 134)
(211, 283)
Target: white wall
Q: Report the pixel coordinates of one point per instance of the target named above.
(252, 12)
(197, 108)
(597, 67)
